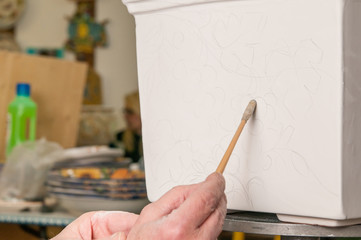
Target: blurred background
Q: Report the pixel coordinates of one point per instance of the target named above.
(100, 34)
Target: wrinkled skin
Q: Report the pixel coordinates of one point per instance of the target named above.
(186, 212)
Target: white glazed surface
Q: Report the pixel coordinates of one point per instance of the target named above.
(200, 64)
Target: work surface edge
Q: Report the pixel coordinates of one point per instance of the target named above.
(268, 224)
(61, 219)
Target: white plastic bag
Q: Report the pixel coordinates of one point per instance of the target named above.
(25, 170)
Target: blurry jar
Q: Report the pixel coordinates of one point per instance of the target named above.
(97, 125)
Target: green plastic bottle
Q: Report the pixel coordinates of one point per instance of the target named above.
(21, 125)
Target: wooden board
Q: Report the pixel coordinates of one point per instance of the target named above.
(56, 86)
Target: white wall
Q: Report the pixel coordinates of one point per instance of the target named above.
(117, 63)
(44, 24)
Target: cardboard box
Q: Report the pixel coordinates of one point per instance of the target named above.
(56, 86)
(201, 61)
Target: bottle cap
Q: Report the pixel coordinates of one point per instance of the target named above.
(23, 89)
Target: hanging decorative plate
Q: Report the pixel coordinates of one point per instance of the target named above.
(10, 12)
(84, 32)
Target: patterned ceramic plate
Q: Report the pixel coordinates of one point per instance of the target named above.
(114, 187)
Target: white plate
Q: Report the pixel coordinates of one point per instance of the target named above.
(87, 161)
(79, 205)
(92, 152)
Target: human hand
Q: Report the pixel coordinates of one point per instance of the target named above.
(99, 225)
(186, 212)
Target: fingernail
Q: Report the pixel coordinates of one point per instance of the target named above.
(118, 236)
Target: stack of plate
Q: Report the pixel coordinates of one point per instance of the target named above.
(81, 156)
(83, 185)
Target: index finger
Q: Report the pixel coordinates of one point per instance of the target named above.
(202, 202)
(166, 204)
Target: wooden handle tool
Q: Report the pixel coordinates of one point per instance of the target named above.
(246, 115)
